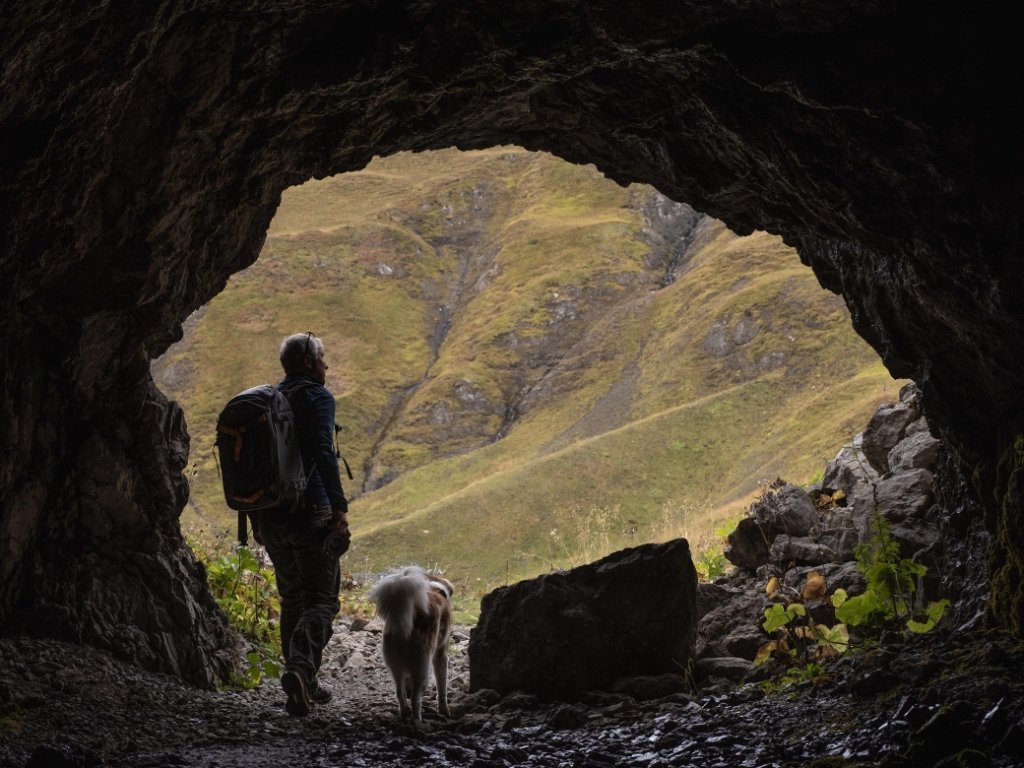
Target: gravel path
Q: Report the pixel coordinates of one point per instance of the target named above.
(66, 705)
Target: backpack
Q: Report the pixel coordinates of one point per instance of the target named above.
(258, 450)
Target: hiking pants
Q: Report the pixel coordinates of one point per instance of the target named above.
(308, 581)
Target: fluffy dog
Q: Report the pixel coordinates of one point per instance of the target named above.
(417, 613)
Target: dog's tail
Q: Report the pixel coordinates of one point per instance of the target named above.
(397, 597)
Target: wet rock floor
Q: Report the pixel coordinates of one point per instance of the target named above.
(933, 701)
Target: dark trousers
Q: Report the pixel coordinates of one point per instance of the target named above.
(308, 581)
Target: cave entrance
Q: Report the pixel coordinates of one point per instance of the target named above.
(533, 365)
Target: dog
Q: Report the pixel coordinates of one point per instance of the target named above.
(417, 613)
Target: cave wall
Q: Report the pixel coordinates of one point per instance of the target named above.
(144, 148)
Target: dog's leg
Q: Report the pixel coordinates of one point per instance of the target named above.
(441, 678)
(401, 692)
(420, 675)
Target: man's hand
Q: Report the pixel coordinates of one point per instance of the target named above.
(339, 523)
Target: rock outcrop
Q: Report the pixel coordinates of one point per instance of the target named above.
(144, 150)
(597, 627)
(885, 473)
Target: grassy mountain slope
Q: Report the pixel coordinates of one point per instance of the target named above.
(530, 361)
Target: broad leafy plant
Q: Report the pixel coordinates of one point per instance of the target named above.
(796, 636)
(246, 590)
(889, 600)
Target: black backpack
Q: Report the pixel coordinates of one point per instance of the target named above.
(258, 449)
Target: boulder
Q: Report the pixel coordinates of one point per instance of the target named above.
(916, 451)
(888, 426)
(630, 614)
(734, 627)
(904, 495)
(852, 473)
(782, 509)
(725, 668)
(799, 550)
(749, 544)
(838, 532)
(711, 596)
(837, 576)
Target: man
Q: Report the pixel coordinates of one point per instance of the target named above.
(308, 578)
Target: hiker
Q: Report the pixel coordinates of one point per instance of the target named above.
(308, 575)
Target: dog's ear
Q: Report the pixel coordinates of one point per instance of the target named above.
(446, 586)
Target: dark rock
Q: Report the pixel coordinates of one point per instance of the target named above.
(64, 756)
(648, 687)
(789, 551)
(905, 494)
(917, 451)
(726, 668)
(850, 471)
(631, 613)
(781, 509)
(733, 628)
(918, 539)
(749, 544)
(888, 426)
(845, 576)
(566, 716)
(711, 596)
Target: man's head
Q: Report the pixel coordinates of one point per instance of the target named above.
(304, 353)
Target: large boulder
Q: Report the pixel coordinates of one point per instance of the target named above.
(632, 613)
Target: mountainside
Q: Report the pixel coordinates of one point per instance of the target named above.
(531, 363)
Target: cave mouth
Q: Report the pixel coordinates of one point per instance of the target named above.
(459, 295)
(138, 178)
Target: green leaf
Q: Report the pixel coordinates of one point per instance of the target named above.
(933, 613)
(835, 639)
(796, 609)
(775, 617)
(839, 597)
(858, 609)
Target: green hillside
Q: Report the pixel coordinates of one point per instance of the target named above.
(533, 365)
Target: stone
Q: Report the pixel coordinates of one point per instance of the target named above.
(837, 576)
(916, 451)
(904, 495)
(726, 668)
(888, 426)
(799, 550)
(748, 544)
(733, 627)
(648, 687)
(711, 596)
(852, 473)
(781, 509)
(631, 613)
(918, 540)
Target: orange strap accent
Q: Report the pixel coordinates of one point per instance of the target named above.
(235, 433)
(256, 496)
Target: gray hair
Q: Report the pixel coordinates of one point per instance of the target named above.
(295, 348)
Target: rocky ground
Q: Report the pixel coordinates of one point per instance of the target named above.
(932, 702)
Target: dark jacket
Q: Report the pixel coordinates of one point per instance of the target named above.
(314, 416)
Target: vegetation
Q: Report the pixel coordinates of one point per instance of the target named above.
(510, 360)
(245, 588)
(809, 626)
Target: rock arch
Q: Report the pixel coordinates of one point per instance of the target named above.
(144, 148)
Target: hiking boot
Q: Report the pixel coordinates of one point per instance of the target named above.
(298, 697)
(318, 694)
